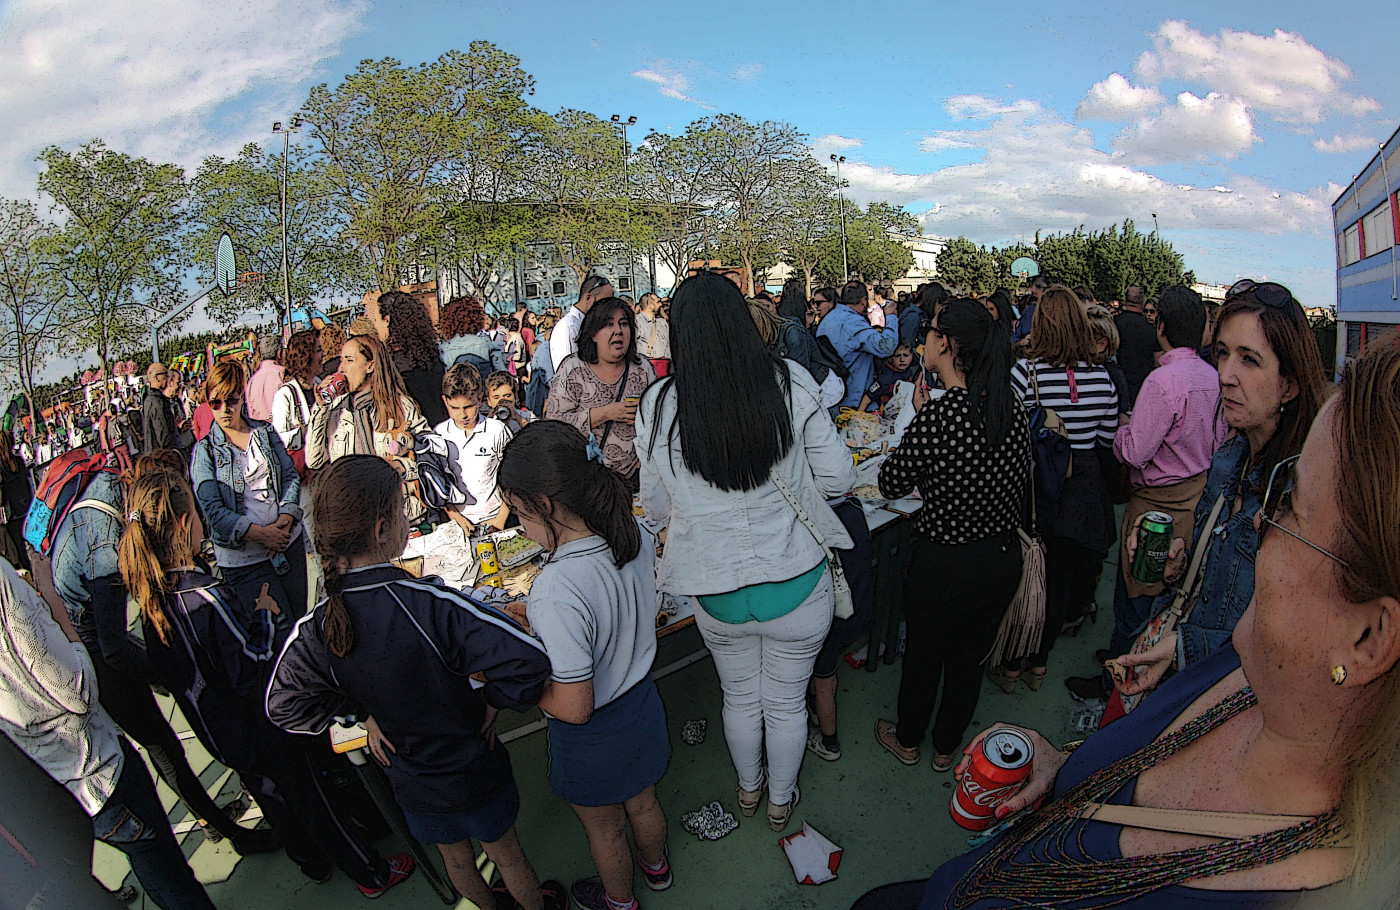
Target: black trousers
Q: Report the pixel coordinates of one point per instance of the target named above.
(955, 597)
(315, 831)
(133, 706)
(1071, 574)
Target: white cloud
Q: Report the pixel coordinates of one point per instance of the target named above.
(1280, 74)
(942, 142)
(1115, 98)
(747, 72)
(1040, 172)
(672, 82)
(149, 76)
(980, 107)
(1192, 128)
(825, 145)
(1339, 144)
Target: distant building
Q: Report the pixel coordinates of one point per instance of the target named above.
(1366, 221)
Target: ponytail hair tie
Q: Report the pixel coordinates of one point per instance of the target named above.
(134, 516)
(595, 451)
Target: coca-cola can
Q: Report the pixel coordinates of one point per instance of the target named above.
(999, 768)
(335, 385)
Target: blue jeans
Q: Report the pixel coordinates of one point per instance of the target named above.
(1130, 614)
(134, 822)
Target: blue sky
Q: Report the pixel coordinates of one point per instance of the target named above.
(1237, 123)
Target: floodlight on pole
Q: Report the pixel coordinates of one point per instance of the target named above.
(286, 131)
(1155, 231)
(838, 160)
(627, 193)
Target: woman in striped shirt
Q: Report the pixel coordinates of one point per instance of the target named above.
(1059, 373)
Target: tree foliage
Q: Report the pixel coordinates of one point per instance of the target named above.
(117, 251)
(243, 197)
(32, 299)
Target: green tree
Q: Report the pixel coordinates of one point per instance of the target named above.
(243, 197)
(673, 176)
(964, 264)
(806, 228)
(402, 144)
(576, 179)
(118, 250)
(1006, 255)
(32, 300)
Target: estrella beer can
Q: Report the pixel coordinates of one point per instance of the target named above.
(1153, 545)
(998, 770)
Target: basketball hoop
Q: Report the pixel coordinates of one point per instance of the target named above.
(245, 279)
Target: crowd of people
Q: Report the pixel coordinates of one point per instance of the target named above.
(1257, 725)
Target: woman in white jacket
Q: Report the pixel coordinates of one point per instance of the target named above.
(710, 437)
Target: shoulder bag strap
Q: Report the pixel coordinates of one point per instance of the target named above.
(1185, 597)
(1232, 825)
(621, 390)
(797, 507)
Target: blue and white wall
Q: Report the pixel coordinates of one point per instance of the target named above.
(1366, 222)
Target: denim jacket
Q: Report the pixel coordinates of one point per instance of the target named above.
(218, 481)
(86, 577)
(1227, 582)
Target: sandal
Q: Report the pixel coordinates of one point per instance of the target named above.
(1035, 680)
(885, 736)
(1004, 680)
(779, 816)
(749, 799)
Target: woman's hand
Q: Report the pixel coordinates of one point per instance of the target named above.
(1176, 556)
(1147, 669)
(1045, 766)
(273, 537)
(379, 747)
(266, 602)
(920, 397)
(619, 411)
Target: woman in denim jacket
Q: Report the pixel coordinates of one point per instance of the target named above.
(250, 494)
(1271, 388)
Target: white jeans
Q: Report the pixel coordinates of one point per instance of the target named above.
(763, 669)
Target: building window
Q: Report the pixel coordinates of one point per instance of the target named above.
(1350, 247)
(1361, 335)
(624, 283)
(1378, 229)
(557, 289)
(532, 290)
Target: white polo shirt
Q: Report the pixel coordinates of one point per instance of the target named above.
(564, 340)
(475, 456)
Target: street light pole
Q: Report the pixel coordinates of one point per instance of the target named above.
(1156, 234)
(286, 132)
(627, 195)
(841, 202)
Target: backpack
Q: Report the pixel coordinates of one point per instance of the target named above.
(60, 492)
(483, 366)
(1052, 458)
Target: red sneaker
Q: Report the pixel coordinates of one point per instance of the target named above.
(400, 868)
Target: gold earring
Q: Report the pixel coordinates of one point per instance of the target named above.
(1339, 675)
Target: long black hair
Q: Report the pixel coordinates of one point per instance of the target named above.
(1005, 315)
(793, 304)
(718, 358)
(549, 459)
(983, 351)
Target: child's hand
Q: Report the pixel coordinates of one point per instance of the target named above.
(377, 743)
(265, 602)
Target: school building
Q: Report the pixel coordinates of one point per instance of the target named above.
(1366, 221)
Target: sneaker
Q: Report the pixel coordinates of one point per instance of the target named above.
(590, 894)
(1084, 688)
(817, 746)
(661, 879)
(556, 896)
(885, 736)
(400, 868)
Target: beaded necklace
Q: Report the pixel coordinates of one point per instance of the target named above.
(1053, 877)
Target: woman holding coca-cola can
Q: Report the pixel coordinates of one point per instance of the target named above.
(1263, 775)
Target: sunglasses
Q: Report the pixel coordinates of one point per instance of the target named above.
(1270, 293)
(218, 404)
(1278, 500)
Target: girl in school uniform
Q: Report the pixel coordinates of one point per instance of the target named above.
(399, 652)
(215, 659)
(594, 607)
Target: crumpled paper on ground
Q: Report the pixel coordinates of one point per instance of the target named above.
(709, 822)
(812, 856)
(693, 733)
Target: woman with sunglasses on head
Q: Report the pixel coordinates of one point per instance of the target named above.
(1264, 775)
(1271, 387)
(250, 495)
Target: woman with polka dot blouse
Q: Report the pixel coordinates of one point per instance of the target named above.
(968, 453)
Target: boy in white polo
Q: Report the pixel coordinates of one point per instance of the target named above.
(474, 446)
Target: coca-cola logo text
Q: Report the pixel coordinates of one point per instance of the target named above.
(987, 798)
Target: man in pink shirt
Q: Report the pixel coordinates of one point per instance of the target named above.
(265, 381)
(1168, 444)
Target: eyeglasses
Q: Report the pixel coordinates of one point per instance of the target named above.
(1278, 498)
(218, 404)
